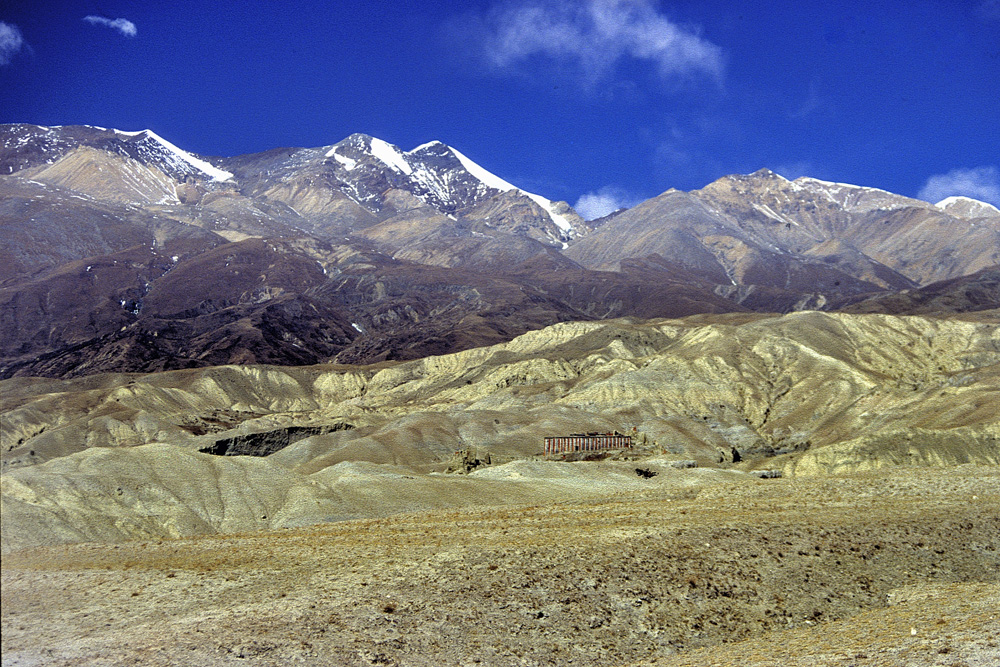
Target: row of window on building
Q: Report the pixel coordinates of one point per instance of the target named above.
(586, 443)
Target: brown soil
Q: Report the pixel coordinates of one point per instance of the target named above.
(897, 567)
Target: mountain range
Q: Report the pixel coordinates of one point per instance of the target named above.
(124, 252)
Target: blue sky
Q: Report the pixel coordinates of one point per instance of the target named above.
(597, 102)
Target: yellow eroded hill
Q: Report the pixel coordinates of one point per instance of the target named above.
(807, 393)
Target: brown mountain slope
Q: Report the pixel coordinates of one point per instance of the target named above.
(977, 292)
(187, 303)
(669, 225)
(45, 227)
(680, 229)
(106, 272)
(806, 236)
(360, 252)
(109, 177)
(909, 236)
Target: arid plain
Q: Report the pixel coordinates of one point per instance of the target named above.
(696, 568)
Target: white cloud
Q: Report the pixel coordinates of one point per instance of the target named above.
(124, 26)
(11, 42)
(595, 35)
(605, 201)
(982, 183)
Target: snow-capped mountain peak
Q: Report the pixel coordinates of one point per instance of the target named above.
(180, 160)
(437, 174)
(967, 207)
(492, 180)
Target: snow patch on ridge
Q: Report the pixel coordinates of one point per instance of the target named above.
(216, 173)
(429, 144)
(491, 180)
(561, 221)
(494, 181)
(769, 212)
(348, 163)
(177, 154)
(837, 186)
(388, 154)
(955, 200)
(434, 184)
(947, 202)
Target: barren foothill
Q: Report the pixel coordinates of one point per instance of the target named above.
(891, 567)
(343, 541)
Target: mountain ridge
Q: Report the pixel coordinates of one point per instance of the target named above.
(359, 251)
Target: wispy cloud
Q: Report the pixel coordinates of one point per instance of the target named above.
(11, 42)
(811, 103)
(792, 170)
(593, 36)
(982, 183)
(605, 201)
(124, 26)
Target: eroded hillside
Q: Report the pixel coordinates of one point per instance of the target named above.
(116, 457)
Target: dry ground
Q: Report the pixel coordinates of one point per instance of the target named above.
(898, 567)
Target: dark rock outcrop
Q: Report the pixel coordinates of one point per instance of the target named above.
(269, 442)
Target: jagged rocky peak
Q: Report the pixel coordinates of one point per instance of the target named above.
(762, 178)
(439, 175)
(23, 146)
(432, 172)
(764, 174)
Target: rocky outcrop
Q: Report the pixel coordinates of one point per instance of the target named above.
(977, 292)
(269, 442)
